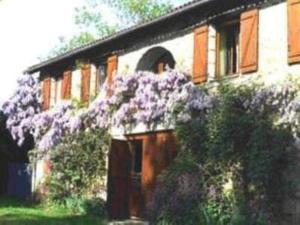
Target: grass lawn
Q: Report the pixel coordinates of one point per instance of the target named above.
(13, 212)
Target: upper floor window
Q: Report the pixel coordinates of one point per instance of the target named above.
(101, 76)
(228, 49)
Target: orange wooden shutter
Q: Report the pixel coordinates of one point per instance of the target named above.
(85, 83)
(112, 64)
(46, 93)
(249, 41)
(200, 54)
(66, 85)
(294, 31)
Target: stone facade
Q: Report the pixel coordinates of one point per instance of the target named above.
(273, 67)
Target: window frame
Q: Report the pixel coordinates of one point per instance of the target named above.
(219, 28)
(100, 82)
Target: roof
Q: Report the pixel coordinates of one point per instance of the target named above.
(102, 41)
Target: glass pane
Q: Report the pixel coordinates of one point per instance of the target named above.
(138, 156)
(102, 75)
(223, 53)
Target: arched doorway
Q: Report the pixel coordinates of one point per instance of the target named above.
(156, 60)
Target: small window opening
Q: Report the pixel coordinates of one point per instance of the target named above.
(228, 48)
(162, 64)
(101, 76)
(137, 150)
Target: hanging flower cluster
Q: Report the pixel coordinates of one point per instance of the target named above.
(50, 126)
(282, 99)
(146, 98)
(22, 107)
(142, 97)
(188, 102)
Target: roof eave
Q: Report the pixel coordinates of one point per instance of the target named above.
(72, 53)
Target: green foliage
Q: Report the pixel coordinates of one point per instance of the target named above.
(64, 44)
(240, 160)
(87, 206)
(254, 149)
(78, 167)
(135, 11)
(178, 194)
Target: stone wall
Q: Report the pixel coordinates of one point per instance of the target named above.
(182, 49)
(273, 67)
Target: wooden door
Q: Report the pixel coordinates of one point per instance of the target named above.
(159, 152)
(119, 180)
(133, 169)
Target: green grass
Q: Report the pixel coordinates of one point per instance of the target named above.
(14, 212)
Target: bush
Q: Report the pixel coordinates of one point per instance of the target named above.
(177, 194)
(78, 169)
(91, 206)
(233, 165)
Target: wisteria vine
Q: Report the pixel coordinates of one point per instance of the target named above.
(142, 97)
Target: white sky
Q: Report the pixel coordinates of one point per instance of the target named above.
(28, 29)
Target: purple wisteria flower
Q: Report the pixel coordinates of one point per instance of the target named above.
(141, 97)
(22, 107)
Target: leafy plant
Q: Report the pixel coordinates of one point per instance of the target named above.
(78, 165)
(239, 155)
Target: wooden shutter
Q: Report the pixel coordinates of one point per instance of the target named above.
(118, 180)
(249, 41)
(200, 54)
(66, 85)
(46, 92)
(293, 31)
(112, 64)
(85, 83)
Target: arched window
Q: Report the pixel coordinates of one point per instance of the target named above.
(156, 60)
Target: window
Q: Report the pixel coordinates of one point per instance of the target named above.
(137, 153)
(228, 48)
(101, 77)
(164, 62)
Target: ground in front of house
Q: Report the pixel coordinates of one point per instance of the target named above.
(14, 212)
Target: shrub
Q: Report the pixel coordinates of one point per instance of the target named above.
(237, 158)
(88, 206)
(78, 167)
(177, 194)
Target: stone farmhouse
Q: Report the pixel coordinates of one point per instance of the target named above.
(213, 40)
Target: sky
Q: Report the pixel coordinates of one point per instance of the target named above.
(29, 29)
